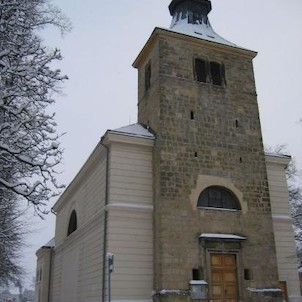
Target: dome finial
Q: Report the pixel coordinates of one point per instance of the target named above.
(199, 7)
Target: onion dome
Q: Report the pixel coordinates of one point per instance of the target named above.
(190, 17)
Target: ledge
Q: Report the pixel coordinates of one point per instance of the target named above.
(129, 207)
(219, 237)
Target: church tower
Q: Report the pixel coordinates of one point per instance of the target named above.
(213, 229)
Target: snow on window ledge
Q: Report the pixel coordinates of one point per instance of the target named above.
(175, 292)
(267, 292)
(263, 290)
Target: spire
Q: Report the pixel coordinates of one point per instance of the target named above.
(190, 17)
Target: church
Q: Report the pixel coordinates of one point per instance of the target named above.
(184, 205)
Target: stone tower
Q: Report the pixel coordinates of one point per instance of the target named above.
(212, 214)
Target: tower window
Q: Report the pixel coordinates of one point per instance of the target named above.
(218, 197)
(72, 226)
(209, 72)
(216, 73)
(200, 70)
(148, 76)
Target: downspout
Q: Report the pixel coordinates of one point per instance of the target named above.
(50, 272)
(50, 264)
(105, 219)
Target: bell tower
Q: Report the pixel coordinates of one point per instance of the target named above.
(212, 214)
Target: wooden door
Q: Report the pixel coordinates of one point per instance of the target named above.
(224, 286)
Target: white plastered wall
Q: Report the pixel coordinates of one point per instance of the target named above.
(130, 220)
(282, 223)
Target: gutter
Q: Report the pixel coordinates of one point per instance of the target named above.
(105, 219)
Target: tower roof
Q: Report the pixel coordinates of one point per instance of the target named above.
(190, 17)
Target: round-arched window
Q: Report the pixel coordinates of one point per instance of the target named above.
(218, 197)
(72, 226)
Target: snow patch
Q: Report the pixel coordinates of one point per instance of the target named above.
(50, 243)
(176, 292)
(202, 30)
(133, 130)
(263, 290)
(198, 282)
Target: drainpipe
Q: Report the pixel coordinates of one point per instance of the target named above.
(50, 264)
(50, 271)
(105, 219)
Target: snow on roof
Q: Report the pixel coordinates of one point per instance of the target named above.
(50, 243)
(202, 31)
(277, 155)
(221, 236)
(135, 130)
(280, 159)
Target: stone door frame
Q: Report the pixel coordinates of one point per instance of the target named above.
(221, 247)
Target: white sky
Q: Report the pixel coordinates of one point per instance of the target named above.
(102, 91)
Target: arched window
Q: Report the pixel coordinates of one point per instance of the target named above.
(218, 197)
(72, 226)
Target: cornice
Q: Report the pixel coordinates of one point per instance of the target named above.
(125, 206)
(111, 137)
(167, 33)
(96, 154)
(282, 160)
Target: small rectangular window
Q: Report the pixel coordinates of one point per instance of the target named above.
(200, 70)
(192, 115)
(196, 274)
(148, 76)
(248, 274)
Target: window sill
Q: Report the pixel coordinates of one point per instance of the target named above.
(211, 85)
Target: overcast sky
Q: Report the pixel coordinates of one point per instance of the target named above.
(101, 92)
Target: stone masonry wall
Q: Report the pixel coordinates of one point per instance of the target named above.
(224, 141)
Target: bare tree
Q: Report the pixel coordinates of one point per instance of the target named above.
(29, 147)
(11, 239)
(29, 144)
(295, 196)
